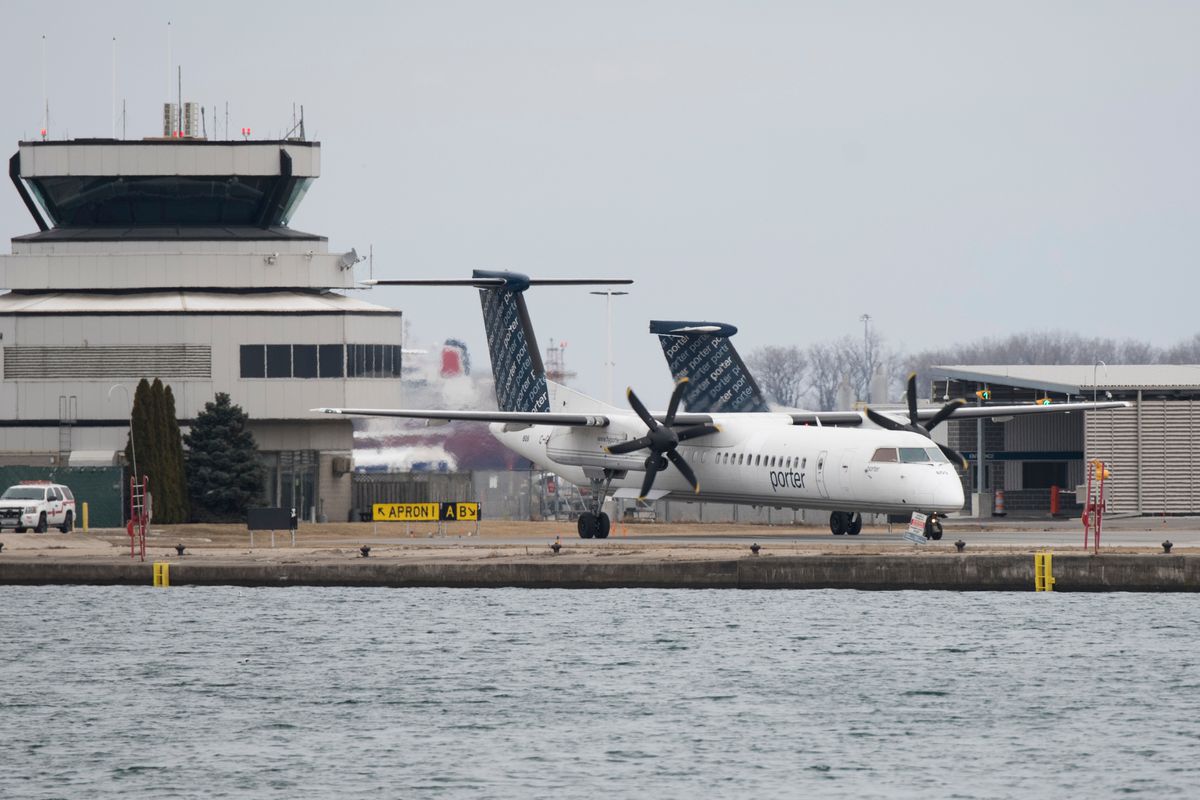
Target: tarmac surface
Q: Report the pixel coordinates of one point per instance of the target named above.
(497, 539)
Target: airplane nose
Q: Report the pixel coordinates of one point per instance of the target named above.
(948, 492)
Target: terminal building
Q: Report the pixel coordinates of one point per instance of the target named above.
(172, 258)
(1152, 448)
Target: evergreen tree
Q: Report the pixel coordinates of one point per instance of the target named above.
(138, 449)
(223, 472)
(156, 460)
(174, 447)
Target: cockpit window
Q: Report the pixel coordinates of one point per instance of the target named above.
(887, 454)
(913, 455)
(936, 455)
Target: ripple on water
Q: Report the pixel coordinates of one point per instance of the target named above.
(446, 693)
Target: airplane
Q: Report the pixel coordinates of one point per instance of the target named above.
(801, 459)
(703, 353)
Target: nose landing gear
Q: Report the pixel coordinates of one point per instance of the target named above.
(843, 522)
(933, 527)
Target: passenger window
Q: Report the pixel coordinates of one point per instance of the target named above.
(758, 460)
(803, 462)
(885, 454)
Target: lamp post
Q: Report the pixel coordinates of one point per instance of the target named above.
(865, 319)
(609, 294)
(1094, 367)
(132, 444)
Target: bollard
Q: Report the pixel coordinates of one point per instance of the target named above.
(556, 547)
(85, 516)
(1167, 545)
(179, 549)
(365, 550)
(959, 545)
(754, 548)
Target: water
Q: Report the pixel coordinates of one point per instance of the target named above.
(226, 692)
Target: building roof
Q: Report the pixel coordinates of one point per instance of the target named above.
(185, 302)
(1077, 378)
(160, 233)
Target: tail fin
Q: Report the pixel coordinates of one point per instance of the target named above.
(718, 378)
(516, 364)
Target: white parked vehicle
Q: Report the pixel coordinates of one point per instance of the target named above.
(37, 505)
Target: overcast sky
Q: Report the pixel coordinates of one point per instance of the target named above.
(953, 169)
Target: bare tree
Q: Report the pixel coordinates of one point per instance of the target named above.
(826, 366)
(1186, 352)
(780, 373)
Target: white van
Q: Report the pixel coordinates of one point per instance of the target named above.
(37, 505)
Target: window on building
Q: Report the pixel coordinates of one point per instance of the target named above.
(304, 361)
(254, 361)
(279, 361)
(1043, 474)
(331, 361)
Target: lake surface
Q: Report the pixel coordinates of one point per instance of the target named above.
(232, 692)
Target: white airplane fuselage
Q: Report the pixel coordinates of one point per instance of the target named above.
(760, 459)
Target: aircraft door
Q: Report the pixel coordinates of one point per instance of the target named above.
(844, 474)
(821, 459)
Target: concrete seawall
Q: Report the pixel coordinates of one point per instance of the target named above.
(967, 572)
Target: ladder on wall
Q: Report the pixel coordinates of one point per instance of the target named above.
(141, 508)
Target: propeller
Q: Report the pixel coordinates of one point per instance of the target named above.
(916, 426)
(662, 439)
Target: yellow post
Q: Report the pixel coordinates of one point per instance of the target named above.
(1043, 572)
(85, 520)
(162, 574)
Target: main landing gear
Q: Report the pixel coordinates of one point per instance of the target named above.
(594, 523)
(842, 522)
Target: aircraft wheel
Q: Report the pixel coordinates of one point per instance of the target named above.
(603, 526)
(837, 523)
(933, 528)
(854, 527)
(585, 526)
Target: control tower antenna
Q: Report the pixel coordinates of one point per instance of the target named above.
(45, 98)
(168, 98)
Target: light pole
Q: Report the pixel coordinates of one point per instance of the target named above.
(609, 294)
(132, 445)
(1094, 366)
(865, 319)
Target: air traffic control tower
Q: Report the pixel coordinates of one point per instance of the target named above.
(172, 258)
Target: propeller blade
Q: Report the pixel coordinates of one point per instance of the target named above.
(943, 413)
(697, 430)
(684, 470)
(955, 456)
(884, 422)
(621, 448)
(912, 398)
(648, 481)
(640, 410)
(676, 396)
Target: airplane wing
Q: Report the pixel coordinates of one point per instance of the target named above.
(442, 415)
(516, 417)
(849, 418)
(974, 412)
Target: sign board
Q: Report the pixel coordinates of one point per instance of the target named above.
(425, 512)
(269, 519)
(406, 512)
(462, 512)
(916, 528)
